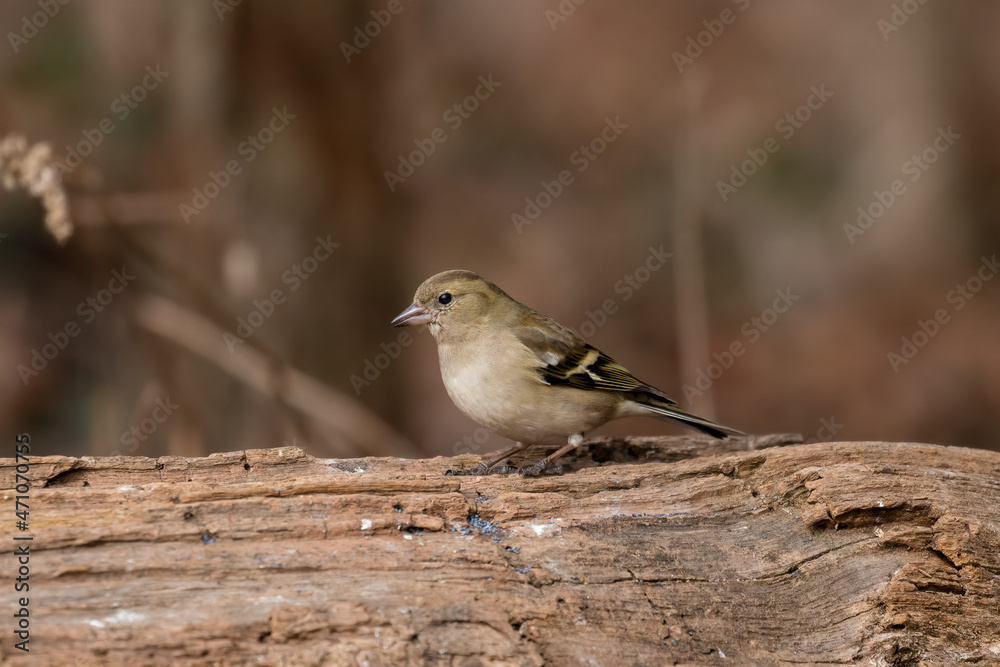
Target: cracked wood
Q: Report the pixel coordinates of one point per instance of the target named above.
(655, 550)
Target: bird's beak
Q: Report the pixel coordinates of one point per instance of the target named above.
(412, 316)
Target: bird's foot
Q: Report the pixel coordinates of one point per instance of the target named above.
(481, 469)
(542, 468)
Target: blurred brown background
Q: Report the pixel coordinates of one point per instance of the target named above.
(807, 111)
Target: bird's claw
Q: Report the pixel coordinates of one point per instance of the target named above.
(540, 469)
(481, 469)
(543, 468)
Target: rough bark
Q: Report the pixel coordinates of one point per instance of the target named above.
(647, 554)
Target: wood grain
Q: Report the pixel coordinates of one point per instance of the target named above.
(653, 551)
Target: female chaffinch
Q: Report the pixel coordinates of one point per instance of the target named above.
(526, 377)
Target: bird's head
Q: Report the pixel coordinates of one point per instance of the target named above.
(451, 300)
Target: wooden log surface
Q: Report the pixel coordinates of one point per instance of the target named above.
(653, 551)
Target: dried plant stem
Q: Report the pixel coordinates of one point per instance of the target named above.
(31, 167)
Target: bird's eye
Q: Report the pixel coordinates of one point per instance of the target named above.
(445, 298)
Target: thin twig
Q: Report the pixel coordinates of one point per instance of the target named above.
(359, 428)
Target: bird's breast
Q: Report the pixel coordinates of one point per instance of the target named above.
(497, 388)
(473, 384)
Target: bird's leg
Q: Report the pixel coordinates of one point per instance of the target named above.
(484, 468)
(545, 465)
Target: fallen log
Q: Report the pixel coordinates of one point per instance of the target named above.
(653, 551)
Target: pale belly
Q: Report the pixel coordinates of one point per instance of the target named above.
(548, 416)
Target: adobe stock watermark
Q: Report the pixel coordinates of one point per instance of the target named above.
(248, 150)
(752, 331)
(454, 116)
(120, 108)
(900, 14)
(828, 429)
(30, 25)
(141, 432)
(372, 367)
(927, 329)
(786, 126)
(562, 12)
(626, 288)
(88, 310)
(471, 444)
(581, 158)
(698, 43)
(223, 7)
(381, 18)
(295, 276)
(913, 168)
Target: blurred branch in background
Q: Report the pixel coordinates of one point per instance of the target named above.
(127, 209)
(346, 427)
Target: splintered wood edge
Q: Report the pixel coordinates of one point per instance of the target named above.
(54, 470)
(759, 549)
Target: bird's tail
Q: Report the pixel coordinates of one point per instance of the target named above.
(672, 413)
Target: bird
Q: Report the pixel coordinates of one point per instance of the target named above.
(526, 377)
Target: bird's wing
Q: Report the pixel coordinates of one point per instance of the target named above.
(567, 360)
